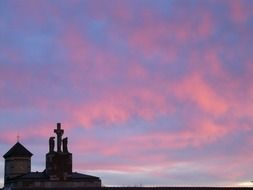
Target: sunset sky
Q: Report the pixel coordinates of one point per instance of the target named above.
(149, 92)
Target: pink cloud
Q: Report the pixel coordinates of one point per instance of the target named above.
(9, 137)
(194, 88)
(137, 152)
(157, 35)
(198, 134)
(137, 72)
(240, 11)
(118, 158)
(39, 130)
(75, 41)
(120, 106)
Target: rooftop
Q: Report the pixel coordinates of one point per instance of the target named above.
(18, 150)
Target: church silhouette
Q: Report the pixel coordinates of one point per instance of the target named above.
(57, 174)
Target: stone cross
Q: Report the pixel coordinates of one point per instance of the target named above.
(59, 132)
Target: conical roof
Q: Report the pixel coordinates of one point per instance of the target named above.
(18, 150)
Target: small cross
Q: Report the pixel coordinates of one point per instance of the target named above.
(18, 137)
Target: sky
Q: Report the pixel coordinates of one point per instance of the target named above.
(149, 92)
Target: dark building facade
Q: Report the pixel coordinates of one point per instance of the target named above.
(57, 174)
(149, 188)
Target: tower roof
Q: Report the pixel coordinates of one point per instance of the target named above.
(18, 150)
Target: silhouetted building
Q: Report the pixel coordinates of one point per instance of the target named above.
(58, 172)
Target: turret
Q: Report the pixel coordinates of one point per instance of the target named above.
(59, 162)
(17, 162)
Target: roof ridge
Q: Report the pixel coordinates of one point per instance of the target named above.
(18, 150)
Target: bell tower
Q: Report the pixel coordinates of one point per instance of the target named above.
(17, 162)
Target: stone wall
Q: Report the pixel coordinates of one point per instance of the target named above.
(16, 166)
